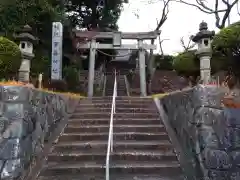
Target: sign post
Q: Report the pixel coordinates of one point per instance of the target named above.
(57, 36)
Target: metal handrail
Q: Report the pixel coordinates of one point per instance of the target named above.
(110, 135)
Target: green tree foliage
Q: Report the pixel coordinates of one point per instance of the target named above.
(10, 58)
(227, 40)
(71, 76)
(164, 62)
(40, 64)
(84, 13)
(186, 63)
(218, 63)
(226, 49)
(38, 14)
(87, 14)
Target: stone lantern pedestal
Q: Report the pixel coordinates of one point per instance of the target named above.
(24, 70)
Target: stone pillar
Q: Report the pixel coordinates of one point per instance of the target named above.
(24, 70)
(142, 68)
(91, 70)
(205, 67)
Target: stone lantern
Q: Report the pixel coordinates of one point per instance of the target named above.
(203, 39)
(27, 40)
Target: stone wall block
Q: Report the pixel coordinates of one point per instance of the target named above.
(217, 159)
(13, 111)
(235, 156)
(11, 148)
(15, 93)
(206, 137)
(234, 174)
(224, 175)
(232, 116)
(218, 175)
(12, 168)
(28, 117)
(210, 96)
(209, 130)
(206, 116)
(229, 138)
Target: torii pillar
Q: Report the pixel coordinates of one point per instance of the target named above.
(142, 68)
(91, 70)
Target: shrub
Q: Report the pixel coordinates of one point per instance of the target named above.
(226, 49)
(10, 58)
(186, 62)
(164, 62)
(71, 76)
(58, 85)
(227, 40)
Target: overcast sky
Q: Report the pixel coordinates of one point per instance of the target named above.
(183, 21)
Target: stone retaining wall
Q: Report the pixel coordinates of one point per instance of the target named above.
(27, 119)
(209, 133)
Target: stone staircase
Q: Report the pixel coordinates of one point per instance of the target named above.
(109, 85)
(142, 150)
(121, 86)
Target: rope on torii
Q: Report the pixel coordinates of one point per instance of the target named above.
(114, 55)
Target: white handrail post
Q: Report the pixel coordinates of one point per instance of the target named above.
(111, 140)
(107, 170)
(110, 135)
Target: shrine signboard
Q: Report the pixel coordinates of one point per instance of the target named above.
(57, 36)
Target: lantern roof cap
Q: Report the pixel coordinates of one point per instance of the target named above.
(203, 32)
(26, 34)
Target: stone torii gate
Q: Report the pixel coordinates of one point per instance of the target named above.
(117, 37)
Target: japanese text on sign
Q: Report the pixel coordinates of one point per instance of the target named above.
(57, 33)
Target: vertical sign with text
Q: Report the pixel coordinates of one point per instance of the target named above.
(57, 37)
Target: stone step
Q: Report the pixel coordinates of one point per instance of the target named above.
(168, 168)
(117, 121)
(117, 115)
(116, 128)
(100, 157)
(83, 109)
(118, 110)
(147, 98)
(118, 105)
(94, 101)
(126, 99)
(122, 92)
(116, 136)
(96, 146)
(116, 176)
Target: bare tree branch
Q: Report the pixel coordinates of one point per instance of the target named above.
(238, 8)
(163, 18)
(164, 14)
(187, 46)
(201, 6)
(161, 45)
(216, 11)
